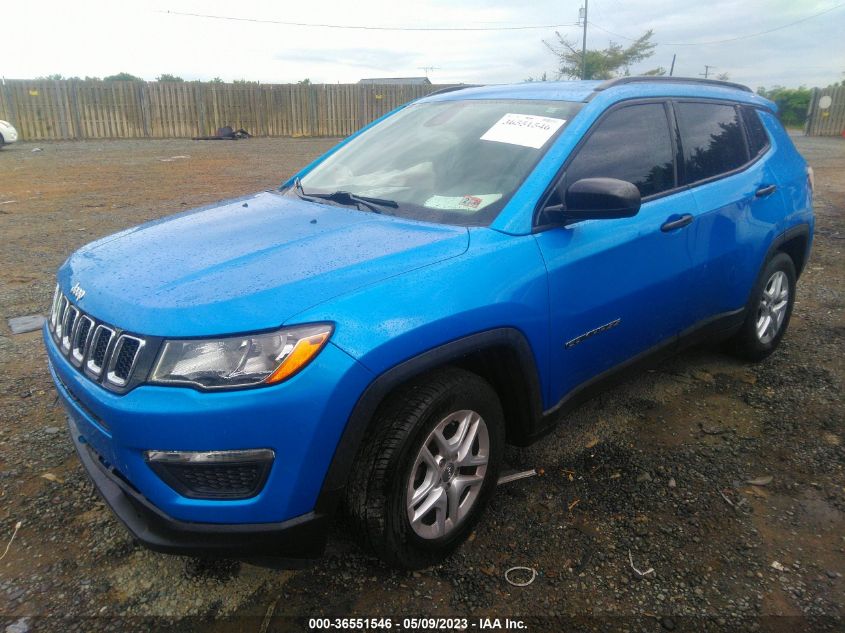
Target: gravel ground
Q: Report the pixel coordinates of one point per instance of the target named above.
(654, 471)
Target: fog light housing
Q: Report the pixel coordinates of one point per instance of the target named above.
(237, 474)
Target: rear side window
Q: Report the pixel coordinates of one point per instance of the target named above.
(632, 144)
(712, 138)
(758, 140)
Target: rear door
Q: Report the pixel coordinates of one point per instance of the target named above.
(737, 198)
(619, 287)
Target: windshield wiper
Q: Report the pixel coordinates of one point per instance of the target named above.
(347, 197)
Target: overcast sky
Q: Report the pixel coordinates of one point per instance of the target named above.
(98, 38)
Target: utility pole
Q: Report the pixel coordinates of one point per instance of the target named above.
(584, 45)
(672, 68)
(427, 69)
(706, 72)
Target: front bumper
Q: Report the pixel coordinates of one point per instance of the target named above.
(297, 539)
(301, 420)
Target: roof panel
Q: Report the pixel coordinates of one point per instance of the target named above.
(539, 90)
(587, 90)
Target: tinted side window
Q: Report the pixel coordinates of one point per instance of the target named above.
(758, 140)
(712, 138)
(631, 144)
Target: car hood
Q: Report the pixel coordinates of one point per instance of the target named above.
(246, 264)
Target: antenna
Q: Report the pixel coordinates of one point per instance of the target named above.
(427, 69)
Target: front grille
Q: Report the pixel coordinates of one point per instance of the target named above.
(93, 346)
(102, 337)
(79, 339)
(123, 359)
(69, 320)
(58, 320)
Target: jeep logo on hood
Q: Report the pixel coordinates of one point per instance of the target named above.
(77, 291)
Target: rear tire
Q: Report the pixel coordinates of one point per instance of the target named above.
(768, 312)
(427, 468)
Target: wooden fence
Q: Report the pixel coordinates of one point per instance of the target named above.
(829, 121)
(74, 109)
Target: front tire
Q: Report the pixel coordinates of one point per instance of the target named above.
(769, 310)
(427, 468)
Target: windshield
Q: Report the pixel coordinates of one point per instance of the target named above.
(451, 162)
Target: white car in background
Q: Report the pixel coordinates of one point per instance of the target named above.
(8, 134)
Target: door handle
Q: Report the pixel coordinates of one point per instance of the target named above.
(677, 223)
(762, 192)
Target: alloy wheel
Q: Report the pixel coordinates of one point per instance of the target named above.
(772, 309)
(448, 474)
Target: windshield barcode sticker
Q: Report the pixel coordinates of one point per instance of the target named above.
(462, 203)
(523, 129)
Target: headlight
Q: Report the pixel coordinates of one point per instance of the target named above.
(240, 361)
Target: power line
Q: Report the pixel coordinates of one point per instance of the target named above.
(730, 39)
(365, 28)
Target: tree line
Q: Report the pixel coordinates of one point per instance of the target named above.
(616, 60)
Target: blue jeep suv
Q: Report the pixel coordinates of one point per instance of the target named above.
(453, 277)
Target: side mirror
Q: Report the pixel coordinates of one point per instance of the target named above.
(598, 198)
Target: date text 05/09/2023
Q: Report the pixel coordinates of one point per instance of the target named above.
(417, 624)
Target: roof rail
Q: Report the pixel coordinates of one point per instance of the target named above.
(619, 81)
(453, 88)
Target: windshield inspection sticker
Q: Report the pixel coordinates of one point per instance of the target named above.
(470, 202)
(462, 203)
(523, 129)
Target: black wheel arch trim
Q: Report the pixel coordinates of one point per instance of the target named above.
(798, 230)
(452, 352)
